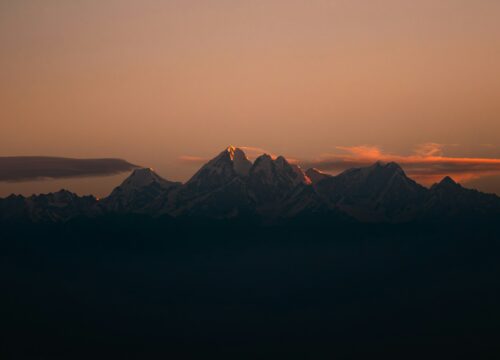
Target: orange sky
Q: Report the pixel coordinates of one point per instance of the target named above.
(152, 81)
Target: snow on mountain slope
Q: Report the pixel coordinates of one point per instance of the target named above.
(380, 192)
(271, 182)
(230, 186)
(141, 178)
(230, 163)
(138, 192)
(277, 172)
(316, 175)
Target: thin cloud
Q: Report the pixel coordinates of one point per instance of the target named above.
(426, 165)
(429, 149)
(195, 160)
(253, 152)
(24, 168)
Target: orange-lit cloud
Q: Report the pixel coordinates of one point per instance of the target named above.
(429, 149)
(427, 165)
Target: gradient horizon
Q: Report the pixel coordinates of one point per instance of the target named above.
(155, 82)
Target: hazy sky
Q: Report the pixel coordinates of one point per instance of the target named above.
(153, 81)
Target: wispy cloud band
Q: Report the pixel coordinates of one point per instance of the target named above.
(23, 168)
(426, 165)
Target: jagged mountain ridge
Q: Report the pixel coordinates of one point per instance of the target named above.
(52, 207)
(230, 186)
(138, 191)
(448, 200)
(380, 192)
(316, 175)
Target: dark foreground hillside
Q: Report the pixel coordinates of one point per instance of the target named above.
(140, 288)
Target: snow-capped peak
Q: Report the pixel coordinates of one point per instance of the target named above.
(280, 168)
(241, 163)
(144, 177)
(228, 165)
(230, 150)
(230, 160)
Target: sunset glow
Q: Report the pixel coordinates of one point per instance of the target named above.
(169, 83)
(198, 179)
(428, 165)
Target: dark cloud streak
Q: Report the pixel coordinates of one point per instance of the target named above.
(24, 168)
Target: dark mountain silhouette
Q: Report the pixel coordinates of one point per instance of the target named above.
(448, 200)
(138, 191)
(278, 188)
(253, 259)
(217, 190)
(316, 175)
(53, 207)
(381, 192)
(231, 186)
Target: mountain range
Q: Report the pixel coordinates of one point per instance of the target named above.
(231, 186)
